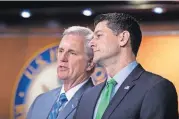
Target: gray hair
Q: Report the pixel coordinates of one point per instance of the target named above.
(86, 33)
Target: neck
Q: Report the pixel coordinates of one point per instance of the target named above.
(68, 84)
(117, 63)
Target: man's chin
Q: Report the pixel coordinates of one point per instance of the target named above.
(96, 60)
(62, 78)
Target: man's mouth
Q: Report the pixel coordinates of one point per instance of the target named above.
(62, 68)
(95, 50)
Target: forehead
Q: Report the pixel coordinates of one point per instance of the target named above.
(72, 41)
(101, 26)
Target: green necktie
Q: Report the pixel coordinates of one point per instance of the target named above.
(105, 98)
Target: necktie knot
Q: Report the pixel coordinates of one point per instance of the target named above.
(63, 98)
(111, 82)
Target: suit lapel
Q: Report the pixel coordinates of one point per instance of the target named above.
(126, 86)
(92, 100)
(51, 101)
(72, 104)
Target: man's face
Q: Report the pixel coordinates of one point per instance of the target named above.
(105, 43)
(72, 59)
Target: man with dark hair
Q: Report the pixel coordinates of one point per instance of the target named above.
(130, 92)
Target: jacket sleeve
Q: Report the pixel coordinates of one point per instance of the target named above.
(30, 112)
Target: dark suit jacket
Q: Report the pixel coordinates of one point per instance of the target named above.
(149, 97)
(42, 105)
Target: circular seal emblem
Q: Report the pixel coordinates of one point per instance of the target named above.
(38, 76)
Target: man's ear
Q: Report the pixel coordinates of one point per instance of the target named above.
(123, 38)
(90, 66)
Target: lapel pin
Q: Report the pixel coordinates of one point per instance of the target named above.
(127, 87)
(72, 106)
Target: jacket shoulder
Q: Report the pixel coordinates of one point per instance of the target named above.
(150, 80)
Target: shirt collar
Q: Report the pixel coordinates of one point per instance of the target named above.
(122, 75)
(70, 93)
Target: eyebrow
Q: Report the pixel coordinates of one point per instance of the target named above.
(60, 49)
(72, 50)
(69, 50)
(97, 31)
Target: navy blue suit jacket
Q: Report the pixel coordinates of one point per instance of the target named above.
(149, 96)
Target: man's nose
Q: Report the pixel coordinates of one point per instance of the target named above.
(92, 43)
(63, 57)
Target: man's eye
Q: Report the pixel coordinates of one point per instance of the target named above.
(98, 35)
(73, 53)
(60, 51)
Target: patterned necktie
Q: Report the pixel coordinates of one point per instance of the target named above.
(55, 109)
(105, 98)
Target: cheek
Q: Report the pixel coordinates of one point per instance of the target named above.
(77, 64)
(105, 46)
(113, 42)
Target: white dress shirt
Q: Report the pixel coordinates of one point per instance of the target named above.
(70, 93)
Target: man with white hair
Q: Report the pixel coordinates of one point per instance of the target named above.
(74, 69)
